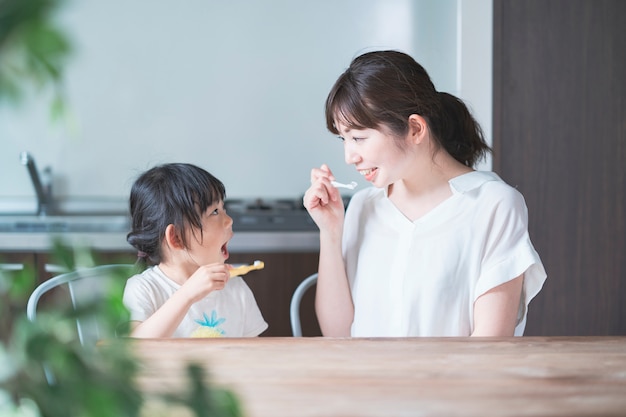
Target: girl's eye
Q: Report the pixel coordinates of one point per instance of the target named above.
(341, 138)
(216, 212)
(357, 139)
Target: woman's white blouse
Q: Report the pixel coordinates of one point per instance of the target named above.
(421, 278)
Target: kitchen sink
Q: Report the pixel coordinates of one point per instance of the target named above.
(77, 215)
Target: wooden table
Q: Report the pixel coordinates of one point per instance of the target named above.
(299, 377)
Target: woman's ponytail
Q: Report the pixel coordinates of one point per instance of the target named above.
(459, 133)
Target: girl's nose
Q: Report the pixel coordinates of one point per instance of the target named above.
(229, 221)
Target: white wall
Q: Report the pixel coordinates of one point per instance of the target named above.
(236, 87)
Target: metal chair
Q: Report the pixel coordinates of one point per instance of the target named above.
(296, 299)
(10, 267)
(85, 286)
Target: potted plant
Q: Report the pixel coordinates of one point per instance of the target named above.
(89, 381)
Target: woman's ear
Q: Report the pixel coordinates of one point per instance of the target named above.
(172, 237)
(418, 128)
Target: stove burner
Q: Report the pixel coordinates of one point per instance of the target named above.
(278, 205)
(269, 215)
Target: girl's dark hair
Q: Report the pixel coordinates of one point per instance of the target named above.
(167, 194)
(384, 88)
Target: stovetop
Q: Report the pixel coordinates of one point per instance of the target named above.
(258, 214)
(269, 215)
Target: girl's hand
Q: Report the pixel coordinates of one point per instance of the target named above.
(323, 201)
(206, 279)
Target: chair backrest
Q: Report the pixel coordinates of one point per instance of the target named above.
(11, 267)
(296, 299)
(85, 286)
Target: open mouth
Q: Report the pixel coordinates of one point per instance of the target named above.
(369, 174)
(225, 250)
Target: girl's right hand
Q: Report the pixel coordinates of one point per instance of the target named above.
(206, 279)
(323, 201)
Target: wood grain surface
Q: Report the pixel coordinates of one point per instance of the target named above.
(526, 376)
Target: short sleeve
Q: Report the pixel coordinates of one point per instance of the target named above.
(509, 252)
(137, 299)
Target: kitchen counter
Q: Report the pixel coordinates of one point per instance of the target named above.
(102, 224)
(280, 241)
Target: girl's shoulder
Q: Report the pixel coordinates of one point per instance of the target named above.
(151, 277)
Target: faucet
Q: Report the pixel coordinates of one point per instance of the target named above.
(42, 189)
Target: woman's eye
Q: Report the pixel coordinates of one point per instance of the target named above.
(357, 139)
(341, 138)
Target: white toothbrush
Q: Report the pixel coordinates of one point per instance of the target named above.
(244, 269)
(350, 186)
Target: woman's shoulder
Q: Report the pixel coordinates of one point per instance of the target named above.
(486, 192)
(484, 183)
(368, 194)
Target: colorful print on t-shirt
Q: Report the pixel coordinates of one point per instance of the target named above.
(209, 327)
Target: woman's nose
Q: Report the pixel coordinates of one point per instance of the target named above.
(350, 156)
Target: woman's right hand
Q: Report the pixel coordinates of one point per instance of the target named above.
(323, 201)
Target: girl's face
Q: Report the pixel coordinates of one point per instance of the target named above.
(211, 246)
(375, 154)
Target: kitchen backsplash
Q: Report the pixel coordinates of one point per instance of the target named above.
(238, 90)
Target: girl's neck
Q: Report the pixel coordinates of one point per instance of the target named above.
(176, 272)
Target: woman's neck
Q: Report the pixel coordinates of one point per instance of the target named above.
(426, 186)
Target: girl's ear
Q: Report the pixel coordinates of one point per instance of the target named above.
(172, 237)
(418, 128)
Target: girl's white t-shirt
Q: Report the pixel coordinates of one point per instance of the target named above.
(230, 312)
(421, 278)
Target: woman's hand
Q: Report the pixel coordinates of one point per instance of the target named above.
(323, 201)
(206, 279)
(333, 301)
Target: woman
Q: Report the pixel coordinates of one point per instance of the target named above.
(435, 248)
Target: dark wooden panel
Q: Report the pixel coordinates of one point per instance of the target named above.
(274, 285)
(560, 137)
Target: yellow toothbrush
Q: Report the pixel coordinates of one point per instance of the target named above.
(244, 269)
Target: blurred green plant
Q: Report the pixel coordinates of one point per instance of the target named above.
(33, 51)
(89, 381)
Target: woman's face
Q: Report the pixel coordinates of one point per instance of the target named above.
(211, 246)
(376, 154)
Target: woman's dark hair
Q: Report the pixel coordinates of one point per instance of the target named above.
(167, 194)
(384, 88)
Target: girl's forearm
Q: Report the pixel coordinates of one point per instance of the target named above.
(165, 320)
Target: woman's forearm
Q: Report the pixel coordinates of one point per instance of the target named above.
(333, 300)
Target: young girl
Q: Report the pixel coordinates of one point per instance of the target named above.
(179, 226)
(434, 248)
